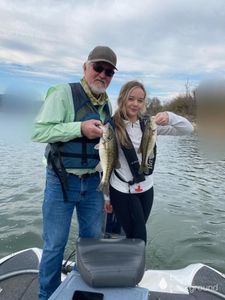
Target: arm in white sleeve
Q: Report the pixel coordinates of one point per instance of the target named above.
(177, 125)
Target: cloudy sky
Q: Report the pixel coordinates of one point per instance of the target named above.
(163, 43)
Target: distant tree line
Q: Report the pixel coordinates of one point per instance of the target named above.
(184, 104)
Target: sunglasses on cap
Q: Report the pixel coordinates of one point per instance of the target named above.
(99, 69)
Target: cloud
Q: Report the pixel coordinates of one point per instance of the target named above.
(163, 42)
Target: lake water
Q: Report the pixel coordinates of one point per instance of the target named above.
(187, 222)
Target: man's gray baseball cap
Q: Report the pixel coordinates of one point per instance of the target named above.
(103, 53)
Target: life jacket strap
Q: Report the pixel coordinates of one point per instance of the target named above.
(131, 182)
(59, 171)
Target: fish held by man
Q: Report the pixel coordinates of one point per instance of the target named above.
(147, 144)
(108, 153)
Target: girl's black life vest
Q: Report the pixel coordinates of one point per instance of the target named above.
(132, 160)
(78, 153)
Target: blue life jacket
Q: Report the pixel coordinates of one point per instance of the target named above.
(78, 153)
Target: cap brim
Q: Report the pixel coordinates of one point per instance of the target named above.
(103, 60)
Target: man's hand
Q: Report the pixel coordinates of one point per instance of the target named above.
(108, 207)
(162, 118)
(91, 129)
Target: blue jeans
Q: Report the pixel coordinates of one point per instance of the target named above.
(82, 193)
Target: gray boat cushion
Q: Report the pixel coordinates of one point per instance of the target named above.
(25, 260)
(111, 262)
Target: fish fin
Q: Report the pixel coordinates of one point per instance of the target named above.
(117, 165)
(151, 155)
(140, 171)
(143, 169)
(98, 168)
(96, 147)
(146, 171)
(104, 187)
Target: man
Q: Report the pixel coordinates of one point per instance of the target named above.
(69, 122)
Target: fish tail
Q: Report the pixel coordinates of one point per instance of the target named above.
(104, 187)
(143, 169)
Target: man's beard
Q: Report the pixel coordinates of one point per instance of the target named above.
(97, 90)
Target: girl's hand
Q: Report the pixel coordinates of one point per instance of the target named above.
(162, 118)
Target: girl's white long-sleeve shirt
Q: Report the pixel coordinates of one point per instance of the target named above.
(177, 125)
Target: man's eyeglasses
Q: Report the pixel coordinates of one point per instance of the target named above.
(99, 69)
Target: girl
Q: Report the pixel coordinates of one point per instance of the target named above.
(131, 193)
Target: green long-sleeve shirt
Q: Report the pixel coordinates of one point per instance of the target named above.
(55, 121)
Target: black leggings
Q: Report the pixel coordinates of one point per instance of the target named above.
(132, 211)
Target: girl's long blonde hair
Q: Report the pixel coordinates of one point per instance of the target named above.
(120, 114)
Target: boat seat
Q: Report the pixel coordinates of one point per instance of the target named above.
(111, 262)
